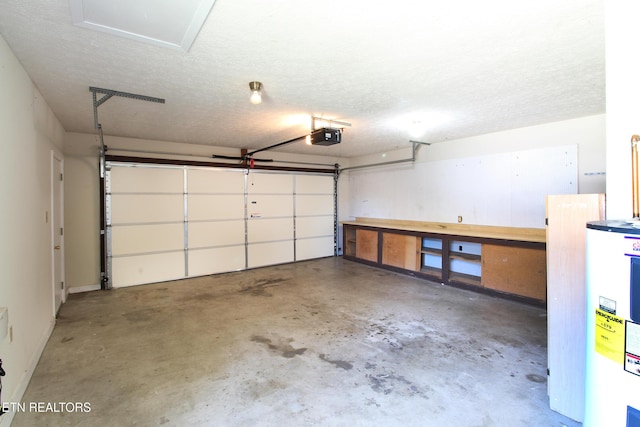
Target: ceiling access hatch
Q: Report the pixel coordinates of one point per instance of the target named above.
(166, 23)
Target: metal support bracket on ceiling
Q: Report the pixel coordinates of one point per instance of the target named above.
(415, 146)
(108, 93)
(328, 123)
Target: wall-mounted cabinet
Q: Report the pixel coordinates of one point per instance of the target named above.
(497, 260)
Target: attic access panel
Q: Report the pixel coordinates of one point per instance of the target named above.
(166, 23)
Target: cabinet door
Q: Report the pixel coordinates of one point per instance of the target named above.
(367, 245)
(399, 250)
(518, 271)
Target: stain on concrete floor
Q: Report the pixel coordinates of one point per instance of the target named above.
(347, 366)
(281, 346)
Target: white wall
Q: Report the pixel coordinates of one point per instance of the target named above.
(82, 196)
(623, 101)
(477, 177)
(28, 131)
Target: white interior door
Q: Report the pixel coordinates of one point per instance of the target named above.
(57, 230)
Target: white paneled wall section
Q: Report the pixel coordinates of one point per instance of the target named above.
(171, 222)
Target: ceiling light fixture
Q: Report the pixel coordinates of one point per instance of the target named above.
(256, 92)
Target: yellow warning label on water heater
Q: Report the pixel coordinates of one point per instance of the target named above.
(610, 336)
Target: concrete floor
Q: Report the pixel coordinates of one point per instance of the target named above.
(318, 343)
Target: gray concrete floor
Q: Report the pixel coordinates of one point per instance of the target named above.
(318, 343)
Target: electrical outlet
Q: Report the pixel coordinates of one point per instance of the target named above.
(459, 218)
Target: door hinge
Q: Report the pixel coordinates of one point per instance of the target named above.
(61, 231)
(61, 285)
(61, 177)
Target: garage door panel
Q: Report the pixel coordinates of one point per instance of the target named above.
(137, 239)
(317, 204)
(264, 206)
(215, 207)
(130, 208)
(215, 181)
(141, 269)
(261, 254)
(216, 260)
(315, 184)
(265, 230)
(314, 226)
(206, 234)
(146, 180)
(265, 183)
(314, 248)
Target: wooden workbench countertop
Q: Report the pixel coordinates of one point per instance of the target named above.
(519, 234)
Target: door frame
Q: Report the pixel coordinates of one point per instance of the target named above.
(56, 156)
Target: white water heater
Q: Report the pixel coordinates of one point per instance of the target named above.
(613, 325)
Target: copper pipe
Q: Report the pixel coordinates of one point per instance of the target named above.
(634, 175)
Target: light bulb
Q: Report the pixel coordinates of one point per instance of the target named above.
(255, 97)
(307, 140)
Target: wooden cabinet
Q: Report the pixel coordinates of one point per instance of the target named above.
(497, 260)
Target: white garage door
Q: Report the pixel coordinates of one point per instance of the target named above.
(172, 222)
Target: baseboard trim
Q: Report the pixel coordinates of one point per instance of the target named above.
(7, 417)
(87, 288)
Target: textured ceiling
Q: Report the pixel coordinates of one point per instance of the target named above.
(456, 68)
